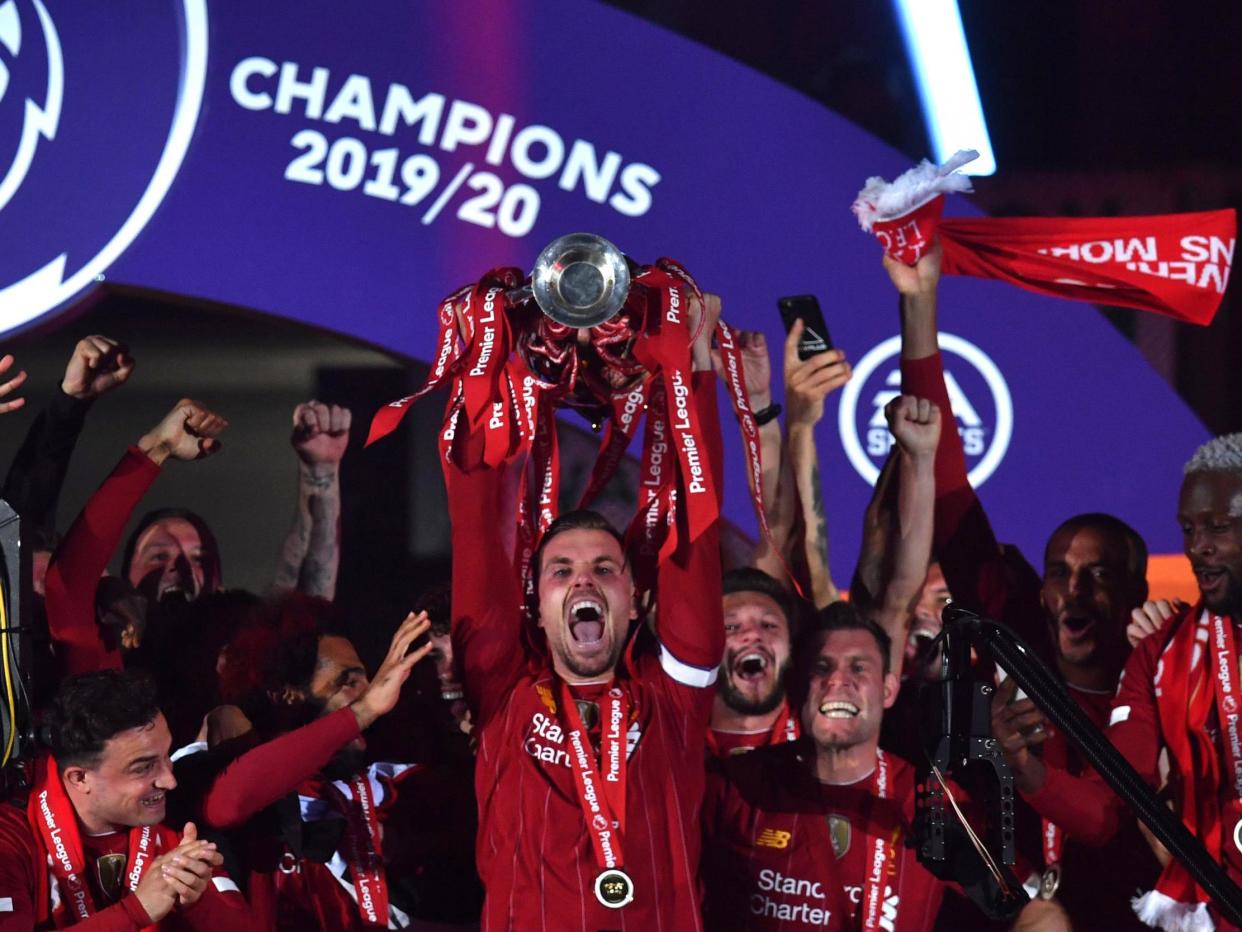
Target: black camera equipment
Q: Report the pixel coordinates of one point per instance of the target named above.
(16, 731)
(958, 735)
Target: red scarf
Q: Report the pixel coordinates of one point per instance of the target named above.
(1187, 685)
(1173, 264)
(54, 822)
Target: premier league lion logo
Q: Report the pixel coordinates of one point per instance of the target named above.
(97, 106)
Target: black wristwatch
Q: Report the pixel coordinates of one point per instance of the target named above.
(768, 414)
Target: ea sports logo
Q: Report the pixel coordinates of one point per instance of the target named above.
(98, 102)
(978, 395)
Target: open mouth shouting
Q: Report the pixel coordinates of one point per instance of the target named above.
(175, 594)
(586, 615)
(838, 708)
(751, 667)
(1077, 626)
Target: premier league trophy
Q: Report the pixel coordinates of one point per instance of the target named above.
(590, 330)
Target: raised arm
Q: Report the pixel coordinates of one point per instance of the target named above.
(311, 553)
(690, 625)
(486, 594)
(188, 432)
(270, 771)
(963, 540)
(915, 424)
(807, 383)
(37, 473)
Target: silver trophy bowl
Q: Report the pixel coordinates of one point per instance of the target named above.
(580, 280)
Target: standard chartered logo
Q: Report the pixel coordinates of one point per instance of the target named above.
(978, 395)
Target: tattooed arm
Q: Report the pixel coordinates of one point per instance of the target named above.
(312, 549)
(807, 383)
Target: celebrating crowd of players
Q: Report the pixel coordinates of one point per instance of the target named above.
(728, 754)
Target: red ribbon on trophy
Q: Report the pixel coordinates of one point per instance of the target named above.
(510, 365)
(1173, 264)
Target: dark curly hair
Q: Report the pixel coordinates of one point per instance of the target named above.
(279, 650)
(91, 708)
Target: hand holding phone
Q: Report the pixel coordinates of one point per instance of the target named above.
(815, 338)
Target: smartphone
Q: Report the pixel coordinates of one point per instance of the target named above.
(815, 338)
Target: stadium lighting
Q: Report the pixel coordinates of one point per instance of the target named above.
(940, 59)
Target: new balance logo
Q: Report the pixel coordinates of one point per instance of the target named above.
(771, 838)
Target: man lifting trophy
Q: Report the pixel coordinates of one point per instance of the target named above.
(590, 724)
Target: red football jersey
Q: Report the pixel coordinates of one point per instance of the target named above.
(534, 852)
(783, 851)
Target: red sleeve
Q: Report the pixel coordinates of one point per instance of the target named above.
(18, 863)
(274, 769)
(1087, 806)
(20, 858)
(125, 915)
(690, 625)
(972, 560)
(486, 609)
(221, 906)
(81, 559)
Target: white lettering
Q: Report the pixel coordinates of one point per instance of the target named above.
(637, 180)
(554, 151)
(242, 72)
(289, 88)
(467, 124)
(353, 102)
(536, 151)
(401, 105)
(582, 165)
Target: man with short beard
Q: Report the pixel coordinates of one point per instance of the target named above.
(1179, 693)
(327, 839)
(810, 835)
(1074, 617)
(750, 710)
(571, 838)
(307, 812)
(90, 848)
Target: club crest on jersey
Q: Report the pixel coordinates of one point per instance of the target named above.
(839, 832)
(98, 103)
(110, 875)
(978, 395)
